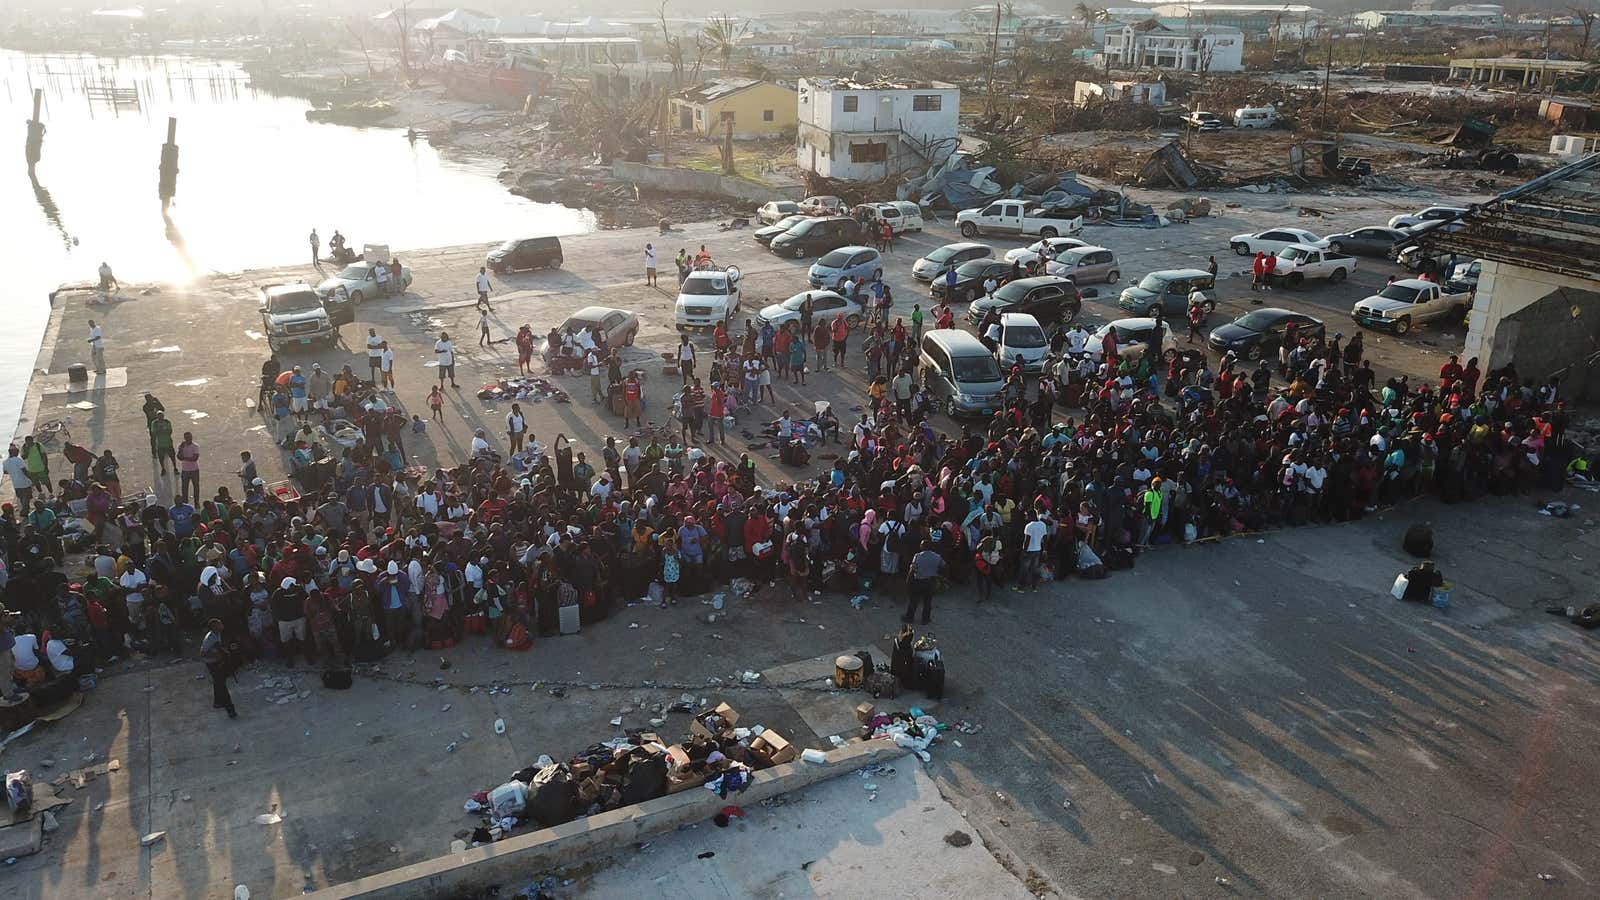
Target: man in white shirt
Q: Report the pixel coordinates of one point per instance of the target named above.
(597, 380)
(483, 289)
(649, 264)
(97, 347)
(446, 352)
(386, 365)
(1033, 535)
(374, 353)
(20, 482)
(480, 445)
(685, 358)
(133, 581)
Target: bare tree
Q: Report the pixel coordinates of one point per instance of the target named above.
(1586, 16)
(674, 45)
(723, 34)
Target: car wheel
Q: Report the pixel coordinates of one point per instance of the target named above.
(1337, 275)
(1047, 232)
(1241, 248)
(950, 407)
(1211, 306)
(1253, 352)
(878, 275)
(799, 253)
(631, 335)
(1402, 325)
(1112, 276)
(1152, 311)
(969, 230)
(556, 263)
(853, 322)
(1336, 247)
(356, 297)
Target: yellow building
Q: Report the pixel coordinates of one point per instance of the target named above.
(757, 109)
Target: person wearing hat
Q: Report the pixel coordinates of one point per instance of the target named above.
(289, 610)
(214, 653)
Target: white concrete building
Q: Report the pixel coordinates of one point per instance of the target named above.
(862, 132)
(1153, 93)
(1429, 18)
(1175, 44)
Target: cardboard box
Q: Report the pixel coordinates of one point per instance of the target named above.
(677, 757)
(729, 715)
(685, 781)
(773, 748)
(865, 712)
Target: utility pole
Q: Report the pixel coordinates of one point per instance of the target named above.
(1327, 74)
(167, 185)
(994, 55)
(35, 147)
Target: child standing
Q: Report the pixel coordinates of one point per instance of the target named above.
(436, 402)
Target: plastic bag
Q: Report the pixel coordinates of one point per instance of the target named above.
(1400, 584)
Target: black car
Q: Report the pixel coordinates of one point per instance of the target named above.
(765, 234)
(1375, 240)
(1258, 333)
(817, 236)
(1051, 299)
(525, 253)
(970, 277)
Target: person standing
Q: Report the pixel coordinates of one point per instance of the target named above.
(924, 571)
(821, 337)
(888, 237)
(386, 366)
(374, 353)
(649, 264)
(1211, 267)
(685, 358)
(483, 328)
(316, 247)
(483, 289)
(10, 694)
(247, 473)
(214, 654)
(1033, 535)
(97, 347)
(1258, 268)
(916, 323)
(289, 609)
(33, 456)
(516, 427)
(597, 372)
(840, 333)
(162, 441)
(632, 405)
(18, 471)
(446, 352)
(1197, 313)
(188, 464)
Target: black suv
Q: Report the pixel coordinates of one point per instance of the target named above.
(970, 277)
(525, 253)
(818, 236)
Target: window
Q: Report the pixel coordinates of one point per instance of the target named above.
(869, 153)
(766, 115)
(926, 102)
(851, 102)
(727, 116)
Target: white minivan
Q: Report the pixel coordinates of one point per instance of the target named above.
(902, 215)
(1255, 117)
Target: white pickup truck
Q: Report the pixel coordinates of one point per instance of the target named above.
(1018, 217)
(1298, 263)
(1412, 301)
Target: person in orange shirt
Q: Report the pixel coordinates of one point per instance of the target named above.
(840, 330)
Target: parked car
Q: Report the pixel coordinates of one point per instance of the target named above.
(817, 236)
(1255, 117)
(1203, 121)
(1026, 255)
(822, 205)
(1022, 343)
(933, 265)
(1426, 214)
(617, 327)
(293, 314)
(1257, 333)
(525, 253)
(1299, 263)
(1018, 217)
(1086, 265)
(1169, 290)
(706, 297)
(773, 210)
(1133, 335)
(970, 277)
(359, 281)
(1375, 240)
(1272, 240)
(765, 235)
(1052, 301)
(1465, 275)
(824, 306)
(960, 372)
(902, 215)
(846, 262)
(1408, 303)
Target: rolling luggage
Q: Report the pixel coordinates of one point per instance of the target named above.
(570, 619)
(930, 673)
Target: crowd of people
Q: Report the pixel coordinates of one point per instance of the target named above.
(1076, 472)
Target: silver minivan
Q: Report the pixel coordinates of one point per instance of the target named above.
(1086, 265)
(960, 372)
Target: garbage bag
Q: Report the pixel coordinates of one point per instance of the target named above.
(646, 780)
(552, 797)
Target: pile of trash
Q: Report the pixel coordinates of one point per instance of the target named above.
(914, 730)
(719, 756)
(535, 389)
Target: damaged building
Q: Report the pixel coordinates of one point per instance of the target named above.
(1538, 297)
(853, 131)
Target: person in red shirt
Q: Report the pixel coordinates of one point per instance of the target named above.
(1449, 374)
(781, 343)
(1258, 272)
(821, 337)
(840, 333)
(492, 509)
(716, 409)
(632, 397)
(1268, 266)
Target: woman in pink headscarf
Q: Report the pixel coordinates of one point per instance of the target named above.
(868, 527)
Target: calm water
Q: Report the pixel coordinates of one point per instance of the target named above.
(254, 178)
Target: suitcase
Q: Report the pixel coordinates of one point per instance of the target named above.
(569, 619)
(930, 673)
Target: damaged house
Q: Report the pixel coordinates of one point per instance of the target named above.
(755, 109)
(1538, 296)
(852, 131)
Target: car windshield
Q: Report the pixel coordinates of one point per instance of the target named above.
(509, 246)
(1295, 254)
(1025, 337)
(834, 260)
(299, 301)
(975, 369)
(1011, 292)
(804, 227)
(790, 221)
(354, 273)
(715, 287)
(1256, 321)
(799, 300)
(785, 206)
(973, 268)
(576, 323)
(1154, 283)
(1399, 292)
(943, 254)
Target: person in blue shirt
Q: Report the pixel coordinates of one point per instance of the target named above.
(299, 401)
(182, 516)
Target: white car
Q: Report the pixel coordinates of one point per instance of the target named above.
(1272, 240)
(358, 282)
(824, 306)
(1022, 343)
(1027, 255)
(1132, 337)
(773, 210)
(706, 297)
(1426, 214)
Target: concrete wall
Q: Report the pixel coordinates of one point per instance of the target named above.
(691, 181)
(1525, 316)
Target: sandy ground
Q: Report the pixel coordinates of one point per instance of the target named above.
(1254, 710)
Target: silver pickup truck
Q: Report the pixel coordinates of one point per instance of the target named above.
(293, 315)
(1408, 303)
